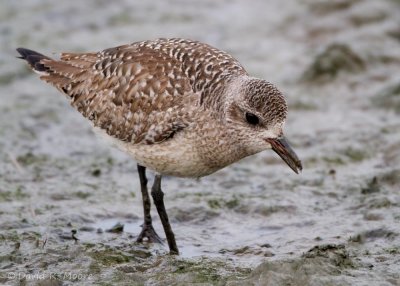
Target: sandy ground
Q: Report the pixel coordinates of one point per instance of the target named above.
(253, 223)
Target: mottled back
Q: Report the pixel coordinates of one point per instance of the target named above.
(146, 91)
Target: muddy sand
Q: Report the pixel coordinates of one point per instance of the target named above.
(63, 191)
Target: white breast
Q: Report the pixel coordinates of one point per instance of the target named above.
(175, 157)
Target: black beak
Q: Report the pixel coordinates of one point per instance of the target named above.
(283, 149)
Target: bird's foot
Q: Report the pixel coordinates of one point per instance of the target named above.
(148, 234)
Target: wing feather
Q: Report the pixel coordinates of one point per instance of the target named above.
(136, 94)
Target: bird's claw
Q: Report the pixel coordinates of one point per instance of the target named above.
(150, 234)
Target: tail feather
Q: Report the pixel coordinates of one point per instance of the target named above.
(34, 59)
(68, 74)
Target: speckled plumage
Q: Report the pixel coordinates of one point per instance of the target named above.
(176, 106)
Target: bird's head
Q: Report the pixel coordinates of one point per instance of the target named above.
(257, 111)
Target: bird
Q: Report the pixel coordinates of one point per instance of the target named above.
(178, 107)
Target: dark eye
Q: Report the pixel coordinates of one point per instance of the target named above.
(252, 119)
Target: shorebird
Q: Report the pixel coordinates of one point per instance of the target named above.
(178, 107)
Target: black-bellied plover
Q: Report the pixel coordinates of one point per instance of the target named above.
(178, 107)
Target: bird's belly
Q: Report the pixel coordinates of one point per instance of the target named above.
(170, 159)
(175, 157)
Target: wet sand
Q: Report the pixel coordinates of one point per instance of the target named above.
(253, 223)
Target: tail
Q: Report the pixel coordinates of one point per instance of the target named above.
(69, 74)
(34, 60)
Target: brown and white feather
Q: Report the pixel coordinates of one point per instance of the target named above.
(146, 91)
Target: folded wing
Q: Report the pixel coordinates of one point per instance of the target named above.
(134, 93)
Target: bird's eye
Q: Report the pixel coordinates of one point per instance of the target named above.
(252, 119)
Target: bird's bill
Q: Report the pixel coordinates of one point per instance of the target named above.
(283, 149)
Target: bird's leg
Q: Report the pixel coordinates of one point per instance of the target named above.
(147, 227)
(158, 198)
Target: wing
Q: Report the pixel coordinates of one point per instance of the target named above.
(134, 93)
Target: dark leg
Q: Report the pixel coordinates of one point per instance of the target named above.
(158, 198)
(147, 227)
